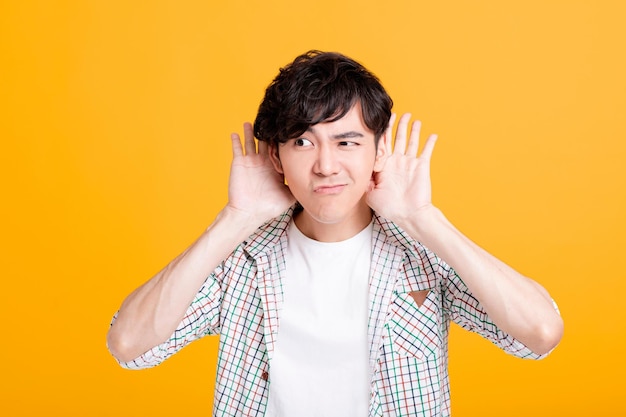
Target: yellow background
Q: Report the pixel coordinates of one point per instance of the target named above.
(115, 119)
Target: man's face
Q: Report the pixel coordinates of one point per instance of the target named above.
(328, 170)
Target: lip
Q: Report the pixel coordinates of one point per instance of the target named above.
(329, 189)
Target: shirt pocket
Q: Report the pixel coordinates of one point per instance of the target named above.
(415, 328)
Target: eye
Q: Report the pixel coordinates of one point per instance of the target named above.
(347, 143)
(302, 142)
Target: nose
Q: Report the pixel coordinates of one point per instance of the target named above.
(327, 162)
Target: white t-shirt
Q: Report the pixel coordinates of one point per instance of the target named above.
(320, 365)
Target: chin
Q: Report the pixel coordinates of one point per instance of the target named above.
(335, 212)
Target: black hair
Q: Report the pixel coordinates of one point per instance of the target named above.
(320, 87)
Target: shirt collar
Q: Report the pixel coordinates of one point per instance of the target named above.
(271, 233)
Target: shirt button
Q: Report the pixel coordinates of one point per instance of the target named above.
(264, 376)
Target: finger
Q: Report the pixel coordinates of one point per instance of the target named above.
(400, 144)
(388, 134)
(427, 152)
(414, 139)
(236, 145)
(248, 135)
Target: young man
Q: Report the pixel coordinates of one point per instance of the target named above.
(329, 275)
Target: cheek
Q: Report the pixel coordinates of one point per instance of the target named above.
(367, 170)
(292, 176)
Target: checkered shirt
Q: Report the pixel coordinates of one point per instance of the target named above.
(408, 344)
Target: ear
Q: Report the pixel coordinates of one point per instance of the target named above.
(381, 152)
(275, 158)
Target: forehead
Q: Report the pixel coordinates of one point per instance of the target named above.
(350, 125)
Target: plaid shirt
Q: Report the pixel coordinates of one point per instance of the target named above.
(408, 344)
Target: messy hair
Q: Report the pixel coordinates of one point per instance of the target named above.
(320, 87)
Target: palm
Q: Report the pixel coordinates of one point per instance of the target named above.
(405, 178)
(255, 188)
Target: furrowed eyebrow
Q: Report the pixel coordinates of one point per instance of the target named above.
(345, 135)
(348, 135)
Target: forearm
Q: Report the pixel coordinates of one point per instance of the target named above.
(518, 305)
(152, 312)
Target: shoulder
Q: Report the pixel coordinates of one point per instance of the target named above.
(393, 235)
(417, 258)
(268, 235)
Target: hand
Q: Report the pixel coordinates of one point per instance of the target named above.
(403, 187)
(255, 188)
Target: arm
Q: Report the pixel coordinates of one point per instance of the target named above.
(152, 312)
(518, 305)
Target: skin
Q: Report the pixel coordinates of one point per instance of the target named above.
(338, 175)
(517, 304)
(329, 169)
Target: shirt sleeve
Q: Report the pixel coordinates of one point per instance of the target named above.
(201, 319)
(466, 311)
